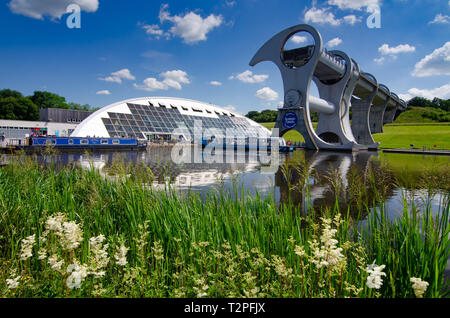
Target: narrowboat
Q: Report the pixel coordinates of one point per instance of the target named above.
(90, 143)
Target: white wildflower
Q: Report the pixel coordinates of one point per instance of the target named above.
(121, 255)
(13, 283)
(42, 253)
(55, 222)
(27, 247)
(328, 254)
(419, 286)
(99, 258)
(72, 235)
(299, 250)
(375, 272)
(54, 263)
(77, 274)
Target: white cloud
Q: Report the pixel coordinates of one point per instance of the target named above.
(175, 78)
(379, 60)
(298, 39)
(52, 8)
(351, 19)
(230, 108)
(124, 73)
(440, 19)
(436, 63)
(248, 77)
(154, 30)
(116, 77)
(171, 79)
(325, 16)
(334, 42)
(354, 4)
(104, 92)
(191, 26)
(402, 48)
(321, 16)
(442, 92)
(215, 83)
(267, 94)
(152, 84)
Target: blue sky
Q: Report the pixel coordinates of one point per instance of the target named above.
(201, 49)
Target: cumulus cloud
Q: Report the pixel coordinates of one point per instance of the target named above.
(267, 94)
(392, 52)
(442, 92)
(325, 16)
(436, 63)
(249, 78)
(402, 48)
(215, 83)
(191, 27)
(104, 92)
(171, 79)
(321, 16)
(351, 19)
(440, 19)
(116, 77)
(334, 42)
(298, 39)
(354, 4)
(51, 8)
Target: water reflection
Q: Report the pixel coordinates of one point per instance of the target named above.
(355, 180)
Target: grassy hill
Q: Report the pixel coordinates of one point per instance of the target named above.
(423, 115)
(401, 135)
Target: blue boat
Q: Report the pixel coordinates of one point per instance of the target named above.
(90, 143)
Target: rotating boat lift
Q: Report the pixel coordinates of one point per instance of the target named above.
(341, 84)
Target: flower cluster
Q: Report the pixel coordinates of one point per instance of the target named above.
(327, 253)
(419, 286)
(374, 279)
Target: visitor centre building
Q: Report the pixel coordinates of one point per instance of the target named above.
(163, 118)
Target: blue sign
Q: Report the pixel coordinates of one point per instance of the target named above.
(290, 120)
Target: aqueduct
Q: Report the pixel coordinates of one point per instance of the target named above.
(342, 86)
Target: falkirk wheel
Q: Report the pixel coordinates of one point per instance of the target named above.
(342, 86)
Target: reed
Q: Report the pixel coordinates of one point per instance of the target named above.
(134, 241)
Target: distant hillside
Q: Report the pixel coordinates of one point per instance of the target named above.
(423, 115)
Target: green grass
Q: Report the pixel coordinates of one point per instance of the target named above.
(223, 245)
(400, 135)
(418, 135)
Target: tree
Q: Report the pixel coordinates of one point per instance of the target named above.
(21, 108)
(5, 93)
(75, 106)
(419, 102)
(48, 100)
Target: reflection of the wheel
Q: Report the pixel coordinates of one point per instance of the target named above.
(329, 176)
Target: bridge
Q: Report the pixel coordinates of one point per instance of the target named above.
(342, 87)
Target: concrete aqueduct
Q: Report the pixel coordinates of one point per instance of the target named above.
(341, 84)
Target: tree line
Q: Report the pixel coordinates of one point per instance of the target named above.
(15, 106)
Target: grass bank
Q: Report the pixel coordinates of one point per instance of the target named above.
(401, 135)
(73, 233)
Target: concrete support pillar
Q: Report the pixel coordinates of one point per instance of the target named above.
(376, 116)
(389, 115)
(360, 120)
